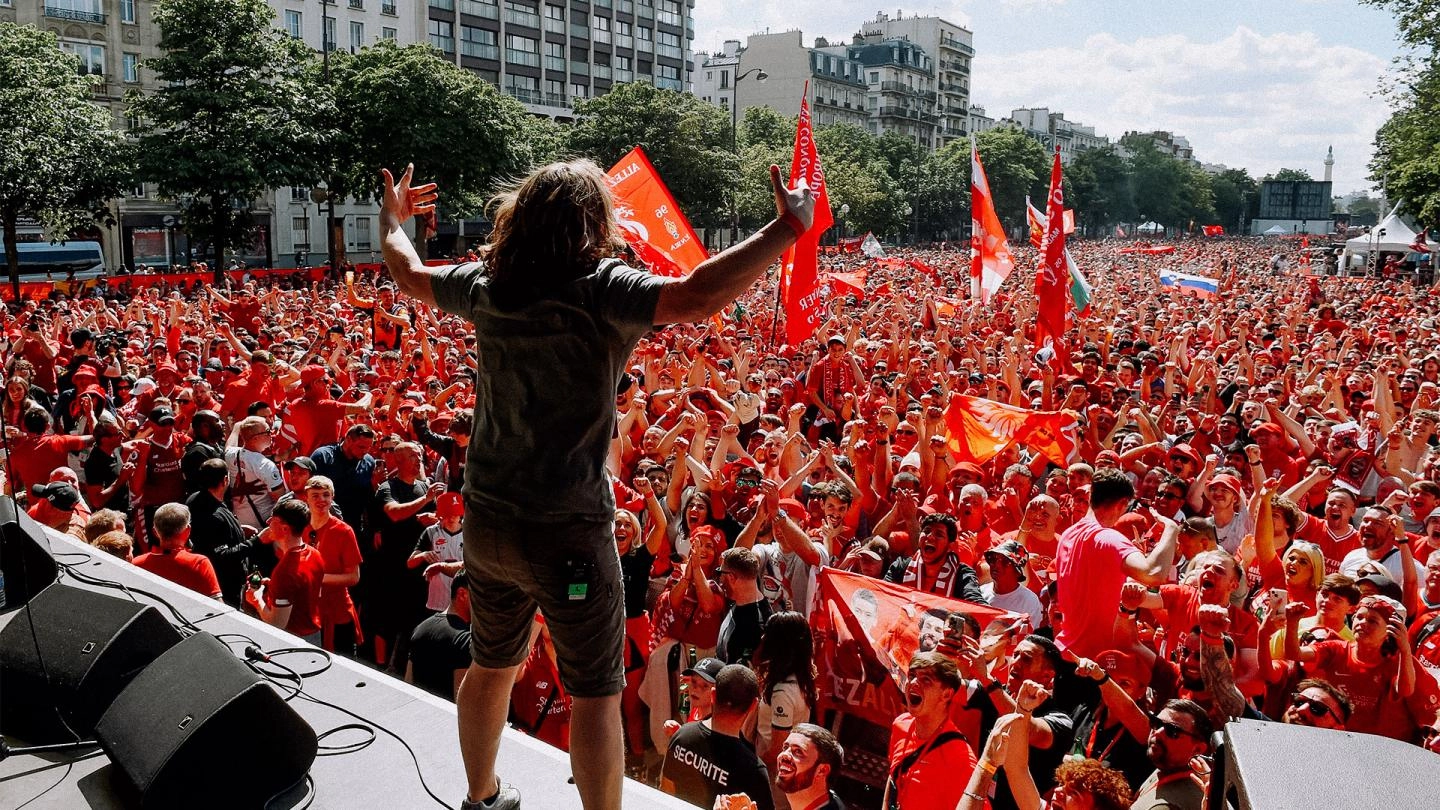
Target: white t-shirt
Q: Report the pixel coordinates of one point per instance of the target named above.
(252, 478)
(448, 546)
(781, 710)
(1350, 566)
(785, 579)
(1233, 533)
(1020, 600)
(747, 407)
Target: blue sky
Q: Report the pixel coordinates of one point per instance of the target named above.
(1259, 84)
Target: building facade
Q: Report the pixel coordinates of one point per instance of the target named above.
(298, 224)
(900, 83)
(549, 54)
(1052, 130)
(837, 88)
(112, 39)
(715, 75)
(951, 48)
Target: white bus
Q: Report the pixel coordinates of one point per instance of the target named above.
(44, 261)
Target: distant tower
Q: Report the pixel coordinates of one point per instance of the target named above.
(1329, 163)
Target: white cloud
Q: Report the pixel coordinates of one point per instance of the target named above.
(1247, 100)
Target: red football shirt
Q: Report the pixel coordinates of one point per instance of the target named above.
(295, 583)
(185, 568)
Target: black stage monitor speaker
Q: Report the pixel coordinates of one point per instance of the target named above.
(1274, 766)
(199, 727)
(69, 659)
(26, 565)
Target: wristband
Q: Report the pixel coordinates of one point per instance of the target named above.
(976, 796)
(993, 686)
(1105, 679)
(987, 767)
(794, 222)
(1257, 464)
(1129, 612)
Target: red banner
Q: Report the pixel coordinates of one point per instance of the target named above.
(1213, 230)
(866, 632)
(804, 297)
(1150, 251)
(847, 283)
(852, 244)
(990, 259)
(650, 220)
(979, 428)
(1052, 289)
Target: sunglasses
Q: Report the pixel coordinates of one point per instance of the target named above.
(1169, 729)
(746, 483)
(907, 433)
(1174, 496)
(1316, 707)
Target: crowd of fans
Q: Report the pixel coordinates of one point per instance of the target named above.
(1249, 526)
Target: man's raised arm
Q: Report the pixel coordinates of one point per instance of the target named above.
(722, 278)
(401, 202)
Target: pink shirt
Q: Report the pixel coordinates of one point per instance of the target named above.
(1089, 573)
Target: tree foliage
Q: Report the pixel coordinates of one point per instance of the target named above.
(1016, 166)
(60, 157)
(1288, 176)
(398, 104)
(1237, 196)
(231, 117)
(1100, 190)
(688, 142)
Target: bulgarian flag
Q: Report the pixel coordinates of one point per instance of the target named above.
(800, 272)
(990, 259)
(1080, 290)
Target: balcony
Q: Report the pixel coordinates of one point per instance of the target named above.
(554, 26)
(602, 72)
(525, 94)
(526, 58)
(644, 46)
(488, 11)
(517, 17)
(357, 4)
(578, 68)
(480, 50)
(557, 100)
(906, 112)
(78, 16)
(388, 9)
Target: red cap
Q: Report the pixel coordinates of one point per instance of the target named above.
(310, 374)
(449, 505)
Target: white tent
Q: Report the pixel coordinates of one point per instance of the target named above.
(1150, 227)
(1392, 235)
(1276, 230)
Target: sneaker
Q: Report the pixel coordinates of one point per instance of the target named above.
(508, 798)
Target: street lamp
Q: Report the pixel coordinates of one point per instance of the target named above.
(760, 76)
(844, 210)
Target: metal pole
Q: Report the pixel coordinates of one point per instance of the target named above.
(332, 250)
(735, 148)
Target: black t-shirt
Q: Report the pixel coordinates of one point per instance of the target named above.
(702, 764)
(101, 470)
(1042, 762)
(740, 632)
(439, 646)
(635, 573)
(1113, 746)
(398, 538)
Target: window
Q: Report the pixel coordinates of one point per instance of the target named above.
(138, 191)
(293, 22)
(389, 33)
(388, 7)
(724, 80)
(479, 43)
(329, 33)
(555, 56)
(554, 19)
(443, 5)
(127, 10)
(299, 194)
(300, 232)
(524, 88)
(441, 36)
(357, 36)
(522, 51)
(521, 14)
(480, 8)
(361, 234)
(92, 57)
(130, 63)
(578, 90)
(359, 5)
(555, 92)
(602, 29)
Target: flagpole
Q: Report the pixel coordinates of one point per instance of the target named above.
(775, 320)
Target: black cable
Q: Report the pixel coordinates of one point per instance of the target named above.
(347, 748)
(130, 591)
(309, 793)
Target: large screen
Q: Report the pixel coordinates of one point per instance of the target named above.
(1295, 199)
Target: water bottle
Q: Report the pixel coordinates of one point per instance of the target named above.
(2, 590)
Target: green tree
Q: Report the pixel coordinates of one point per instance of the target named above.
(1101, 193)
(1016, 166)
(1156, 181)
(1234, 191)
(231, 117)
(1419, 21)
(857, 174)
(60, 157)
(1197, 199)
(401, 104)
(765, 126)
(688, 142)
(1288, 176)
(941, 194)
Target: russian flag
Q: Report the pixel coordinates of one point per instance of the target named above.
(1203, 286)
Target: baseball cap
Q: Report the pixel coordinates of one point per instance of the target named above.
(1122, 664)
(707, 668)
(449, 504)
(835, 339)
(311, 373)
(60, 494)
(303, 462)
(1227, 481)
(162, 416)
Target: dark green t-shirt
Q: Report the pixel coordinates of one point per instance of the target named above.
(545, 391)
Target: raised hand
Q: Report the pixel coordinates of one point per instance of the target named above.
(797, 202)
(401, 201)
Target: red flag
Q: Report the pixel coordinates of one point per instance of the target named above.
(852, 244)
(1213, 230)
(916, 264)
(980, 428)
(804, 298)
(882, 291)
(1052, 289)
(990, 259)
(650, 220)
(866, 632)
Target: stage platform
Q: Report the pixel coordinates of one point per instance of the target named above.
(380, 776)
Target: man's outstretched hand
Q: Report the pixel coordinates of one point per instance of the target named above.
(799, 202)
(402, 202)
